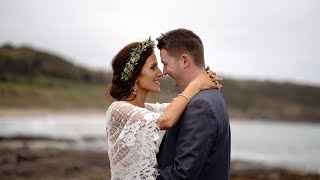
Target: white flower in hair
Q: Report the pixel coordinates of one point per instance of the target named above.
(134, 58)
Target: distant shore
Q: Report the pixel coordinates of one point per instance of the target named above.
(47, 111)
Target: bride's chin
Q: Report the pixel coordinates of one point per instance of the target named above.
(156, 91)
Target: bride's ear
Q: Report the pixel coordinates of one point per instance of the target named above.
(137, 80)
(136, 83)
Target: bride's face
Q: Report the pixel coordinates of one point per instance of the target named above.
(150, 75)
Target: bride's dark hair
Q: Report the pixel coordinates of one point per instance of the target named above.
(121, 90)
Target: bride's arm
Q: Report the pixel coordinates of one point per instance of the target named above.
(156, 107)
(175, 109)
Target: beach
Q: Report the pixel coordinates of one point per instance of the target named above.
(54, 163)
(59, 145)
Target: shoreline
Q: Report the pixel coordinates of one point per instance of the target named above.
(25, 163)
(26, 159)
(33, 111)
(43, 143)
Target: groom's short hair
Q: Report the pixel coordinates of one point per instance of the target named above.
(180, 41)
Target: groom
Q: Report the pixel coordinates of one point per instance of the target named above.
(198, 146)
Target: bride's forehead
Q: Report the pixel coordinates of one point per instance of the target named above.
(151, 59)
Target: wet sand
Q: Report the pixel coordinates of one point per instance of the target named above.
(25, 163)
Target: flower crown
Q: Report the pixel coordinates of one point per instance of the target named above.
(134, 58)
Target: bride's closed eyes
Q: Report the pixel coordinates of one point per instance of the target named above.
(153, 66)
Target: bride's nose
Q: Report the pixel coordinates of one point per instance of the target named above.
(160, 74)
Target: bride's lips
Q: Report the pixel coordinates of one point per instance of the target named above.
(157, 81)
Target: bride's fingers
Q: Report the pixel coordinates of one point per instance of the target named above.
(211, 72)
(215, 78)
(217, 84)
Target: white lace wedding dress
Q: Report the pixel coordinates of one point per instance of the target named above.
(134, 138)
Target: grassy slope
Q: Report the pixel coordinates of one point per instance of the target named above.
(53, 94)
(32, 79)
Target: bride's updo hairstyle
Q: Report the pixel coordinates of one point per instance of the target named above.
(120, 89)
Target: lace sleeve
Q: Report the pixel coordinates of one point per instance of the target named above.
(133, 139)
(156, 107)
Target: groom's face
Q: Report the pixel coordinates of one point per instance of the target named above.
(172, 67)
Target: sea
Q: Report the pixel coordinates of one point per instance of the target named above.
(294, 146)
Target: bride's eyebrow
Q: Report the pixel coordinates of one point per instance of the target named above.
(153, 64)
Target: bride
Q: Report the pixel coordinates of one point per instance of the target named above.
(133, 126)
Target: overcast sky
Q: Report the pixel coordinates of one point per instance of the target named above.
(255, 39)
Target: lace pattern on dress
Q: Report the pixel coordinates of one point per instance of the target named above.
(133, 138)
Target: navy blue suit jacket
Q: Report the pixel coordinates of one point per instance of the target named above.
(198, 146)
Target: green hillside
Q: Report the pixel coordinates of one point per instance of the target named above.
(33, 79)
(25, 63)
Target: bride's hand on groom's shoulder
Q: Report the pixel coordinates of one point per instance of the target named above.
(207, 80)
(216, 79)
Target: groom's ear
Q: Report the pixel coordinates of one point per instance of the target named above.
(186, 60)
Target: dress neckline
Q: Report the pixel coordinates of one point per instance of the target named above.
(132, 104)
